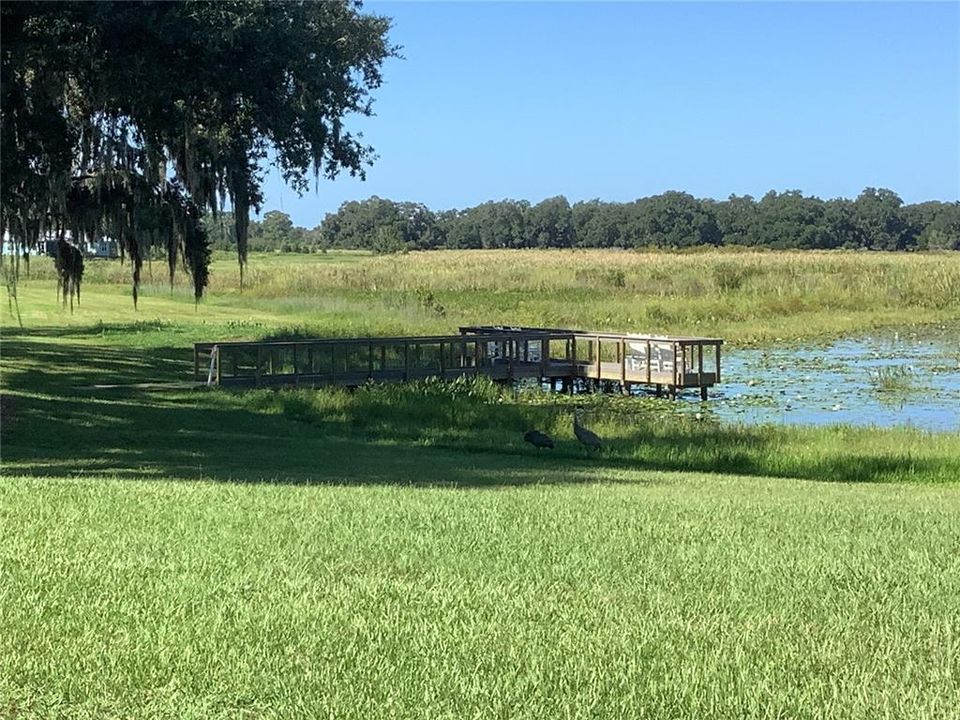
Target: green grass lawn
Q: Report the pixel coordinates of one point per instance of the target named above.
(399, 552)
(585, 593)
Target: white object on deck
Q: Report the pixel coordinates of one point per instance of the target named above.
(214, 358)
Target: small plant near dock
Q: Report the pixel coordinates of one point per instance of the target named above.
(891, 379)
(730, 276)
(429, 302)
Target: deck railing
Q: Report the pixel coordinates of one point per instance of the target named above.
(499, 352)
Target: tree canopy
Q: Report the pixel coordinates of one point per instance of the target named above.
(132, 119)
(877, 219)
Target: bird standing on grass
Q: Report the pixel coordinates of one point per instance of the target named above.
(538, 439)
(587, 438)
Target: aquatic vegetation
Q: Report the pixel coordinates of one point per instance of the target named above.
(894, 379)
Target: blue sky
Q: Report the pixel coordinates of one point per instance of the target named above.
(621, 100)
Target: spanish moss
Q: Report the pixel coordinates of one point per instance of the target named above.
(131, 121)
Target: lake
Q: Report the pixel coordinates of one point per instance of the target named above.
(885, 379)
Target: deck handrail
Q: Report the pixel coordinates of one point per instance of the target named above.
(603, 335)
(494, 350)
(386, 340)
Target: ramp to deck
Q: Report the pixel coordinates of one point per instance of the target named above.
(499, 352)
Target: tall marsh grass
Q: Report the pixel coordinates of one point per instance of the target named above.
(748, 297)
(895, 379)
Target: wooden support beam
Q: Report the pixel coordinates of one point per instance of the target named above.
(598, 359)
(716, 349)
(649, 363)
(679, 368)
(622, 353)
(700, 364)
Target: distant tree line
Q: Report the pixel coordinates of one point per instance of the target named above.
(877, 219)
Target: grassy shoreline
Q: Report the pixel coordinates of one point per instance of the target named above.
(50, 367)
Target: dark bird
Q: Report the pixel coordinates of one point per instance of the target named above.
(587, 438)
(538, 439)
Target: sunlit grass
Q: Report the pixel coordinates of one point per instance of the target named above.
(641, 595)
(399, 551)
(746, 297)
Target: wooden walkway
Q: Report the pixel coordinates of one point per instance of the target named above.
(554, 356)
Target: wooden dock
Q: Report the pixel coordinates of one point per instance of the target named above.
(560, 358)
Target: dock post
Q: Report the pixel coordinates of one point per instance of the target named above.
(659, 390)
(703, 392)
(622, 352)
(716, 349)
(700, 363)
(544, 351)
(649, 361)
(598, 359)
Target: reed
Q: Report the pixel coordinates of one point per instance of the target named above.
(747, 297)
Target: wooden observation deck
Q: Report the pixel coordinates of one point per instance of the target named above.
(553, 356)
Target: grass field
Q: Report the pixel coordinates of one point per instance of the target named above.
(745, 297)
(399, 552)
